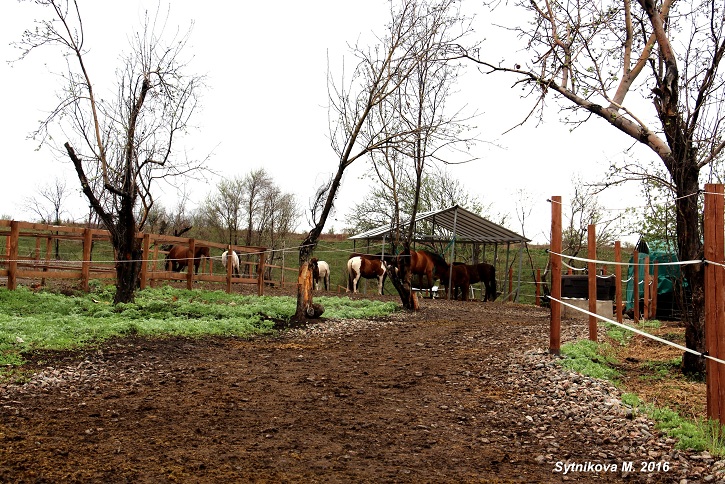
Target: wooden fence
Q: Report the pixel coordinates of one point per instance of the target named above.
(88, 254)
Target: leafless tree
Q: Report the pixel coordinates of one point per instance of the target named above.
(48, 204)
(378, 75)
(224, 209)
(125, 141)
(255, 185)
(607, 61)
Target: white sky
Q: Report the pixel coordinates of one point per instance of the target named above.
(265, 107)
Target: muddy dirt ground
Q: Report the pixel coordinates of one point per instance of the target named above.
(424, 397)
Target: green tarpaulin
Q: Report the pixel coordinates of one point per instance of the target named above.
(667, 277)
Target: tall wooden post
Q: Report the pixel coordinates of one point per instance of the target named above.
(190, 265)
(229, 269)
(655, 284)
(86, 263)
(144, 259)
(618, 279)
(592, 279)
(647, 289)
(715, 299)
(635, 283)
(556, 244)
(12, 251)
(260, 274)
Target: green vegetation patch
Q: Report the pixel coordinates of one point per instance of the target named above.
(591, 359)
(44, 320)
(697, 434)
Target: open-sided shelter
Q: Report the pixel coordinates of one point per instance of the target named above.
(455, 225)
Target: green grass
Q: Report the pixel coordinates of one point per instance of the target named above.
(698, 435)
(47, 321)
(594, 359)
(591, 359)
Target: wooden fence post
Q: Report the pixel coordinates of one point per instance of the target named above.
(12, 252)
(229, 269)
(556, 244)
(190, 265)
(618, 279)
(647, 289)
(714, 301)
(145, 259)
(260, 274)
(592, 280)
(635, 284)
(86, 262)
(653, 294)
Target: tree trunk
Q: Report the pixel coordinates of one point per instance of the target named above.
(689, 247)
(306, 309)
(128, 253)
(401, 276)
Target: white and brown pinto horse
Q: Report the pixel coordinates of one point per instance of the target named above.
(367, 266)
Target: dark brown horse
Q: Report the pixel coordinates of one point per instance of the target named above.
(459, 281)
(485, 273)
(179, 255)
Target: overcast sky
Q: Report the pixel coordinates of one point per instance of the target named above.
(265, 106)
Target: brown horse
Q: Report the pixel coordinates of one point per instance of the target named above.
(179, 255)
(367, 266)
(485, 273)
(459, 281)
(427, 264)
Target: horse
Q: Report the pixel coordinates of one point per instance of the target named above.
(428, 264)
(367, 266)
(235, 262)
(485, 273)
(179, 255)
(458, 280)
(320, 269)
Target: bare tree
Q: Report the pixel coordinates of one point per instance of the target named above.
(379, 74)
(602, 60)
(48, 204)
(224, 209)
(255, 185)
(127, 142)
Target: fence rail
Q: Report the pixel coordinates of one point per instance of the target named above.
(33, 251)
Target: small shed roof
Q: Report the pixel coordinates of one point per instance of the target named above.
(467, 227)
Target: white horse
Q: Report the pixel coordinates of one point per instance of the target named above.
(320, 269)
(235, 262)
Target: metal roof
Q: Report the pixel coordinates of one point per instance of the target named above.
(467, 226)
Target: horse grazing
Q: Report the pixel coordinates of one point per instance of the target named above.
(178, 257)
(367, 266)
(485, 273)
(458, 279)
(320, 269)
(428, 264)
(234, 260)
